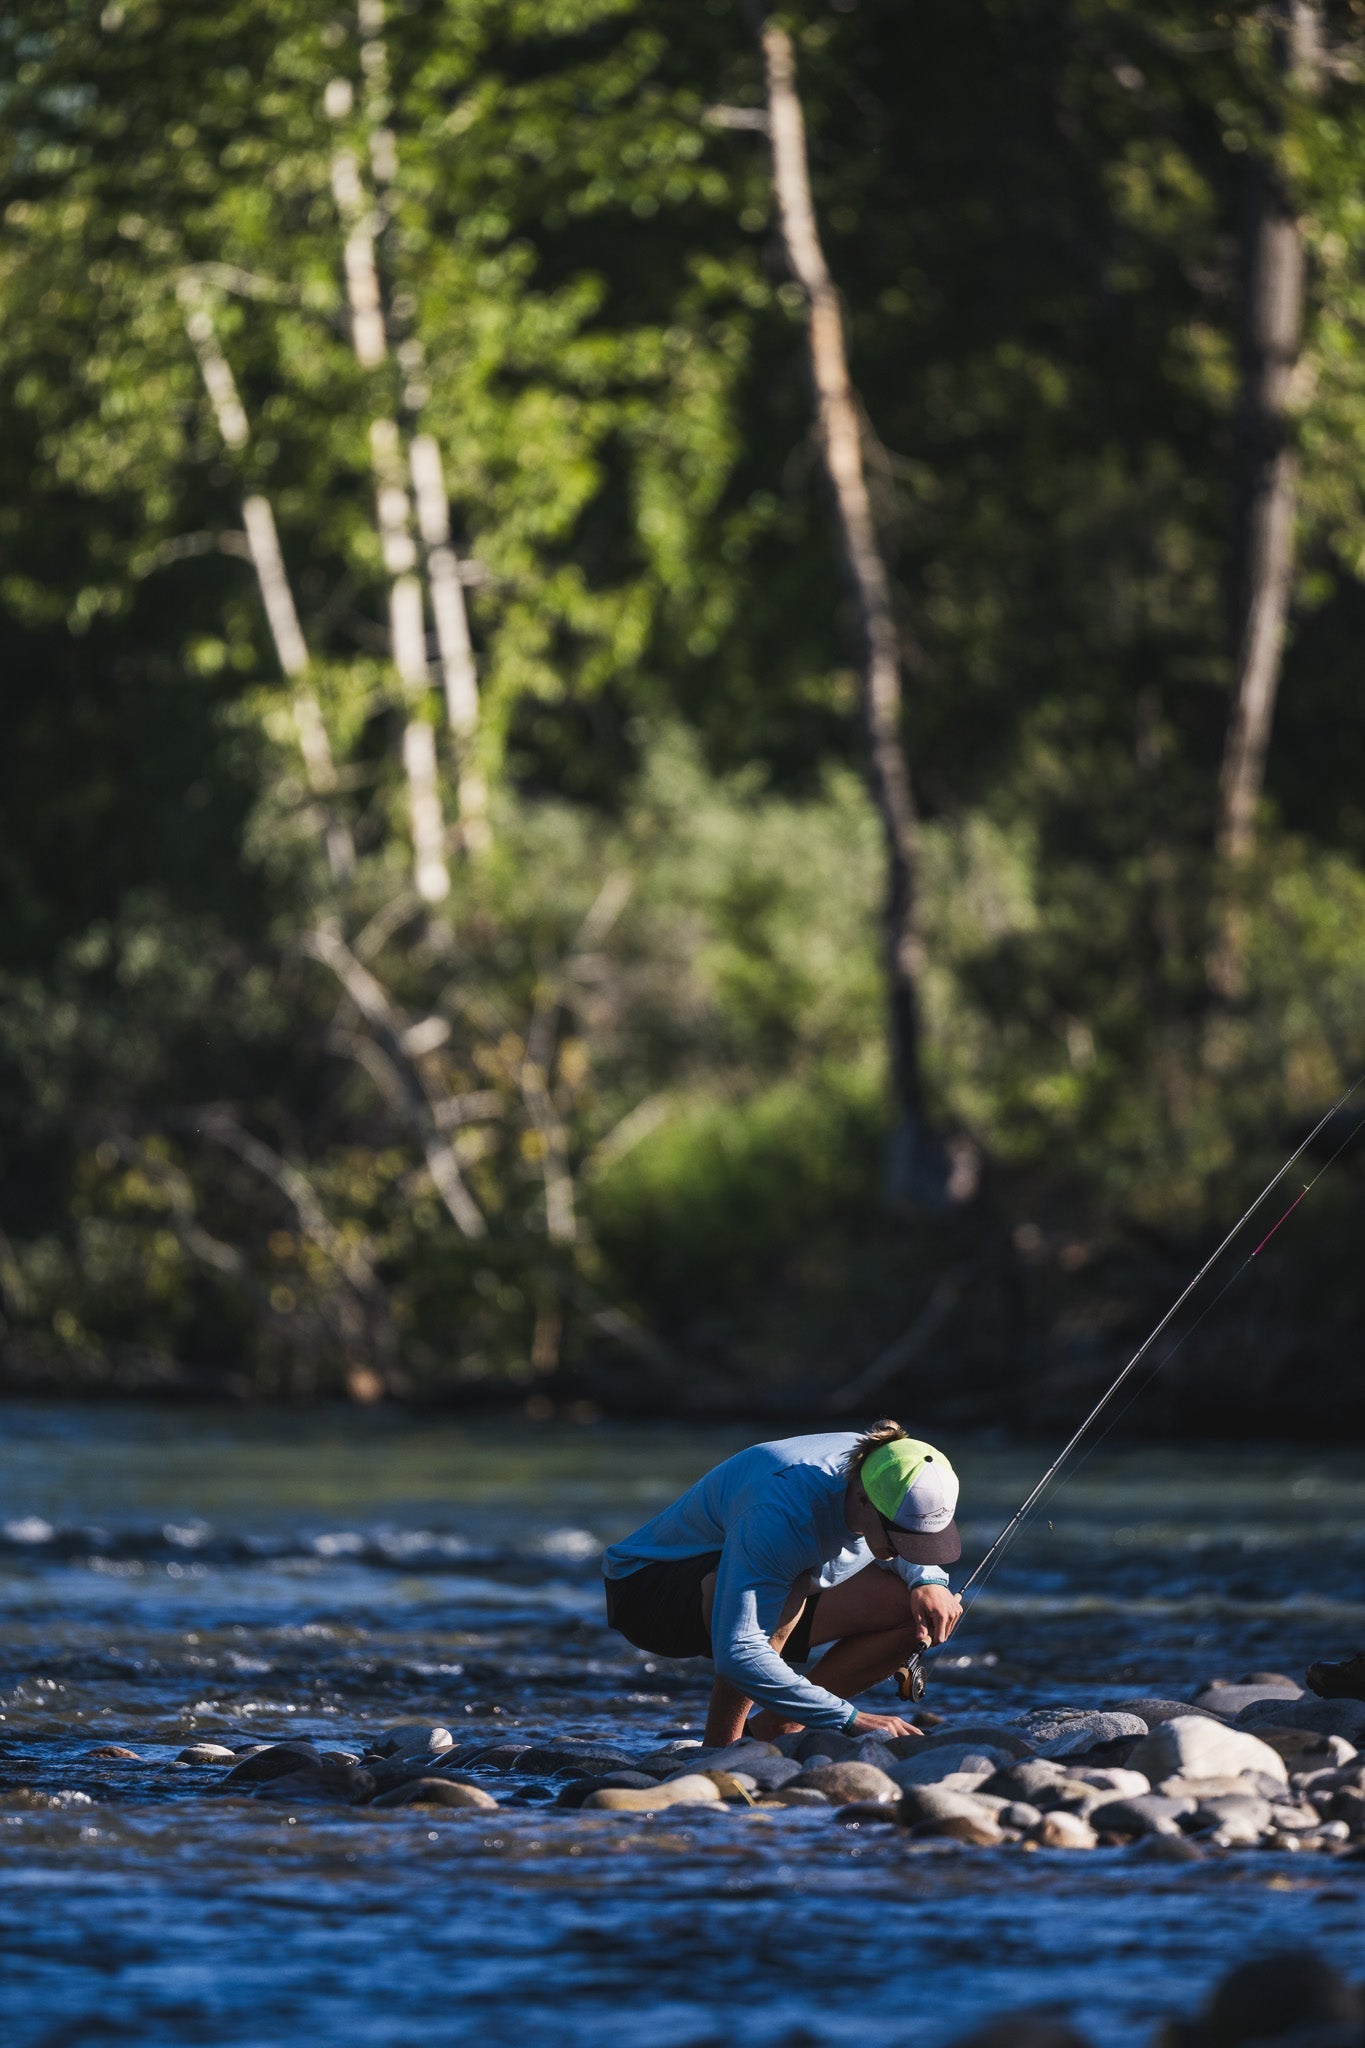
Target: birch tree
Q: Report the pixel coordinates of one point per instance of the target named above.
(1267, 488)
(258, 520)
(917, 1158)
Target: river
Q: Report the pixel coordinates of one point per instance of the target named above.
(167, 1576)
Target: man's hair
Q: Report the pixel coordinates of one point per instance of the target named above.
(884, 1432)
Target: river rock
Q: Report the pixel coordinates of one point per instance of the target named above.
(1229, 1698)
(933, 1766)
(1195, 1747)
(1017, 1813)
(1082, 1732)
(276, 1760)
(207, 1753)
(556, 1759)
(1325, 1717)
(412, 1738)
(1293, 1995)
(1150, 1813)
(1240, 1819)
(771, 1773)
(825, 1743)
(980, 1830)
(320, 1784)
(976, 1735)
(795, 1795)
(1246, 1785)
(1113, 1780)
(1304, 1749)
(437, 1792)
(113, 1752)
(1155, 1711)
(693, 1791)
(931, 1802)
(1167, 1848)
(676, 1758)
(1063, 1830)
(845, 1783)
(1025, 1779)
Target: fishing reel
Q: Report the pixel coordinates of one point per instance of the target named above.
(912, 1679)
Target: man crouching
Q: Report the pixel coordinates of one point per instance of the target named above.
(837, 1538)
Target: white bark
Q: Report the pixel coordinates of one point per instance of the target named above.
(394, 513)
(258, 519)
(458, 671)
(841, 447)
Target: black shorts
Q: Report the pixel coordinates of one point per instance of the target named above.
(658, 1608)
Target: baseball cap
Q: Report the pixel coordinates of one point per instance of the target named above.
(914, 1488)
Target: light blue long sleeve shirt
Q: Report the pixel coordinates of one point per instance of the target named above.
(776, 1515)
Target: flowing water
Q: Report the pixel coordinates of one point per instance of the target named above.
(171, 1576)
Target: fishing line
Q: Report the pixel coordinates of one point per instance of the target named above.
(1052, 1475)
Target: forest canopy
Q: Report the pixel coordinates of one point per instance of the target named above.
(459, 934)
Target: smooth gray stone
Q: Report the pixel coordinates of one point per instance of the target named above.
(934, 1802)
(826, 1742)
(980, 1735)
(1155, 1711)
(1327, 1717)
(938, 1764)
(322, 1785)
(1088, 1731)
(1229, 1700)
(576, 1791)
(548, 1759)
(278, 1760)
(413, 1738)
(1149, 1813)
(1230, 1810)
(848, 1783)
(771, 1773)
(1018, 1814)
(1030, 1778)
(502, 1756)
(872, 1750)
(730, 1756)
(1195, 1747)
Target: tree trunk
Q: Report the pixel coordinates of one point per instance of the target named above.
(919, 1164)
(456, 650)
(1272, 330)
(258, 519)
(394, 512)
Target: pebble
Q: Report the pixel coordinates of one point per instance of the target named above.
(1229, 1699)
(320, 1784)
(845, 1783)
(1325, 1717)
(931, 1802)
(115, 1753)
(1304, 1749)
(1238, 1819)
(796, 1795)
(979, 1830)
(1027, 1779)
(1155, 1711)
(1080, 1732)
(1063, 1831)
(1195, 1747)
(1150, 1813)
(413, 1738)
(1017, 1813)
(205, 1753)
(437, 1792)
(977, 1735)
(932, 1766)
(692, 1791)
(276, 1760)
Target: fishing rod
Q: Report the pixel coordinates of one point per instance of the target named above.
(911, 1679)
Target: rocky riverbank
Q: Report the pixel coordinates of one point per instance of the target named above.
(1256, 1764)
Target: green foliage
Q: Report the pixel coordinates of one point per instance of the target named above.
(658, 997)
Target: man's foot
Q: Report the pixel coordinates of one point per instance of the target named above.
(1338, 1681)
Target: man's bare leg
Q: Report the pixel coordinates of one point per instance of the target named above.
(729, 1708)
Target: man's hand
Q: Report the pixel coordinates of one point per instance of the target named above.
(937, 1610)
(885, 1725)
